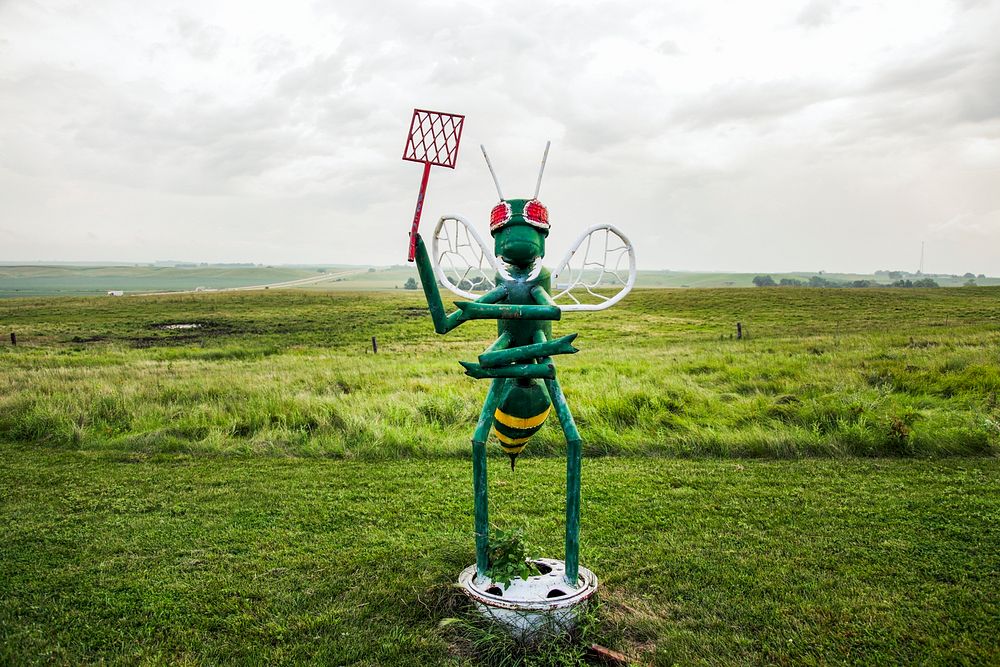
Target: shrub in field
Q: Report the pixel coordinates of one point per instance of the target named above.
(898, 436)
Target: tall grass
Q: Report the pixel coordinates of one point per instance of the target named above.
(823, 373)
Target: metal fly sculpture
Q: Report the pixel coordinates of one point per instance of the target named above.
(524, 299)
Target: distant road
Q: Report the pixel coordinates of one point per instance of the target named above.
(312, 280)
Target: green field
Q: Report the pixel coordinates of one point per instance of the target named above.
(395, 276)
(261, 488)
(824, 372)
(90, 280)
(709, 279)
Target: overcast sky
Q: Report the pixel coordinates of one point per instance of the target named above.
(763, 136)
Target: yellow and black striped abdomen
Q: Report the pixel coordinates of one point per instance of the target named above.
(521, 413)
(513, 432)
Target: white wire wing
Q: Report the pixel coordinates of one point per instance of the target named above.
(462, 262)
(597, 272)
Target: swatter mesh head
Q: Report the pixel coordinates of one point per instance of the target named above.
(434, 138)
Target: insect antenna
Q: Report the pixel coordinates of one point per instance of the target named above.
(492, 173)
(541, 170)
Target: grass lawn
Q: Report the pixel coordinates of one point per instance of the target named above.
(194, 560)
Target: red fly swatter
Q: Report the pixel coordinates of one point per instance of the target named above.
(433, 140)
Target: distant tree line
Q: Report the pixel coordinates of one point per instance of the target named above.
(896, 275)
(470, 286)
(820, 281)
(465, 284)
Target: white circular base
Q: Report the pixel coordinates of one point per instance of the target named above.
(528, 607)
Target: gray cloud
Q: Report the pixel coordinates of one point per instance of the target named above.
(743, 101)
(273, 52)
(669, 47)
(923, 71)
(817, 13)
(200, 40)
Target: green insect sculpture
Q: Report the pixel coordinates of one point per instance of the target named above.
(513, 288)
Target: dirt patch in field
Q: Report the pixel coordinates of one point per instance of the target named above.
(182, 333)
(182, 325)
(187, 325)
(88, 339)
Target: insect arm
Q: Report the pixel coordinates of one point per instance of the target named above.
(444, 323)
(479, 310)
(545, 371)
(492, 358)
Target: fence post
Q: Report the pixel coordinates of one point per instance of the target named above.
(13, 339)
(374, 345)
(739, 331)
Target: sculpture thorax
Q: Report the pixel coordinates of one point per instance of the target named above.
(519, 288)
(522, 282)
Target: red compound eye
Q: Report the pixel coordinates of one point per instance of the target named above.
(536, 213)
(499, 215)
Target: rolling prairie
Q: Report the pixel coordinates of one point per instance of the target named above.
(821, 372)
(33, 280)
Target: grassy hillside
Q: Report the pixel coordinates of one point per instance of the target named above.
(37, 280)
(93, 280)
(709, 279)
(824, 372)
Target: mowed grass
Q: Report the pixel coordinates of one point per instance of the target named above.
(207, 560)
(824, 372)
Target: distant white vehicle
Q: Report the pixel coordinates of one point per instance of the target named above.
(116, 292)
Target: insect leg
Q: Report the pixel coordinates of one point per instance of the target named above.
(574, 457)
(482, 433)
